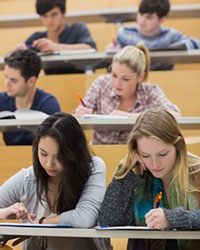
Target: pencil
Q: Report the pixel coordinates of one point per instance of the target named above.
(158, 200)
(81, 100)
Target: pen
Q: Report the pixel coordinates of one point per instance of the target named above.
(114, 41)
(158, 200)
(29, 46)
(81, 100)
(104, 226)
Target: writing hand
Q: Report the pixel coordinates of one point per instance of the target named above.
(124, 113)
(45, 45)
(112, 46)
(118, 112)
(81, 111)
(157, 219)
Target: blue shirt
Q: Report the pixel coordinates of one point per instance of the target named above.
(72, 34)
(42, 101)
(165, 37)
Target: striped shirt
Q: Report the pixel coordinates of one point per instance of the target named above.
(130, 35)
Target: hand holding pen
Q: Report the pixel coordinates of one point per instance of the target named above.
(81, 100)
(113, 45)
(156, 217)
(82, 109)
(158, 200)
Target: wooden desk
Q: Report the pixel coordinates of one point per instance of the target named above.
(91, 61)
(185, 123)
(115, 15)
(92, 233)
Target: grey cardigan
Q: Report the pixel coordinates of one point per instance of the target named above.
(22, 188)
(117, 210)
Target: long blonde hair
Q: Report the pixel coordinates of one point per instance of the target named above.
(160, 124)
(136, 58)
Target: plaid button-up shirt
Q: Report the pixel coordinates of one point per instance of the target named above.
(102, 99)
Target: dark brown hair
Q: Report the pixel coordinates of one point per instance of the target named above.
(160, 7)
(73, 155)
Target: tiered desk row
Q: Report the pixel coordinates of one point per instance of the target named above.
(92, 61)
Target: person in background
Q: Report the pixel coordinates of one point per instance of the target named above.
(124, 92)
(58, 35)
(65, 185)
(149, 29)
(21, 71)
(157, 161)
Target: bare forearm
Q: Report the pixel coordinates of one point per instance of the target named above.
(51, 220)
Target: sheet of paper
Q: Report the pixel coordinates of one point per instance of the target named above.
(28, 114)
(76, 52)
(123, 228)
(105, 117)
(6, 114)
(68, 52)
(7, 224)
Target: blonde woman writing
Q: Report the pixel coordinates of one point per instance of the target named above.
(124, 92)
(157, 161)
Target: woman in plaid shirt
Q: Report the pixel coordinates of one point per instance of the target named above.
(124, 92)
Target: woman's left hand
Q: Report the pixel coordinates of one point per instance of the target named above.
(157, 219)
(124, 113)
(118, 112)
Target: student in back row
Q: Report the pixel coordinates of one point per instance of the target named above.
(21, 72)
(124, 92)
(149, 29)
(58, 35)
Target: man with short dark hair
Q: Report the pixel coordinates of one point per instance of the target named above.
(58, 36)
(149, 29)
(21, 72)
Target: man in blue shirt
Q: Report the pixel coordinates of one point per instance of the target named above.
(21, 72)
(149, 29)
(58, 35)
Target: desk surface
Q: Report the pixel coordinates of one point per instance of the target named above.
(92, 61)
(92, 233)
(186, 123)
(115, 15)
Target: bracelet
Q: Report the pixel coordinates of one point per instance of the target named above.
(41, 219)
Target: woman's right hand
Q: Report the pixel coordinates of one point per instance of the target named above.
(112, 46)
(138, 159)
(81, 111)
(16, 211)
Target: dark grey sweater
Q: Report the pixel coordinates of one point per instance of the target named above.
(117, 210)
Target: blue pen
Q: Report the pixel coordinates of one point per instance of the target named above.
(29, 46)
(104, 226)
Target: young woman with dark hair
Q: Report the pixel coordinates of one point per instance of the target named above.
(65, 185)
